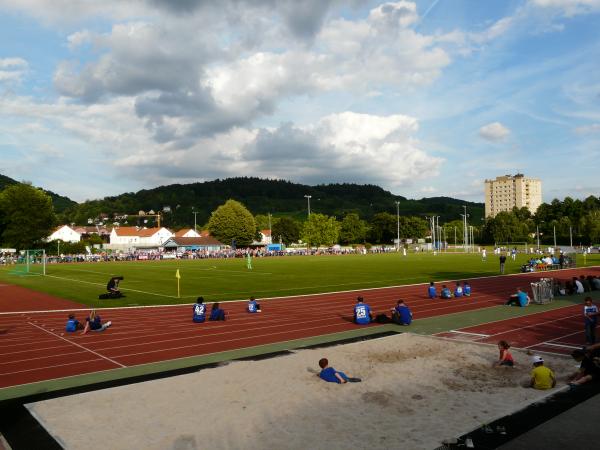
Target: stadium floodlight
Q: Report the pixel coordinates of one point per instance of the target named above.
(398, 225)
(308, 197)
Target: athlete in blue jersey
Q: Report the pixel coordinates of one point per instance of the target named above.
(331, 375)
(216, 313)
(199, 310)
(94, 323)
(401, 314)
(466, 289)
(362, 312)
(458, 290)
(73, 324)
(445, 292)
(432, 291)
(253, 306)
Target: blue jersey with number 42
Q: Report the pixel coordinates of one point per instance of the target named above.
(362, 313)
(199, 312)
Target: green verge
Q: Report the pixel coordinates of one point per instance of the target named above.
(60, 384)
(455, 321)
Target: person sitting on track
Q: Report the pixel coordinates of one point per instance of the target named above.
(401, 314)
(466, 289)
(73, 324)
(505, 358)
(362, 312)
(541, 376)
(331, 375)
(199, 312)
(216, 313)
(588, 366)
(94, 323)
(432, 291)
(253, 306)
(520, 298)
(458, 290)
(445, 292)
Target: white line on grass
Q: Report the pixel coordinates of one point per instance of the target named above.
(102, 284)
(77, 345)
(288, 296)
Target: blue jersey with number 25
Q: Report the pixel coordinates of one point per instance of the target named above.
(361, 313)
(199, 312)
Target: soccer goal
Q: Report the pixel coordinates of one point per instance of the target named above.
(31, 262)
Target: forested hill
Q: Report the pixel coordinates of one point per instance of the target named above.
(60, 202)
(261, 196)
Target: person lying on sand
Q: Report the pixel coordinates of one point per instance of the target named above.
(331, 375)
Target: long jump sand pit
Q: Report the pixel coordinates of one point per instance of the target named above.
(416, 392)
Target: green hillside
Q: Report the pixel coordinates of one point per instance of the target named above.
(60, 202)
(263, 196)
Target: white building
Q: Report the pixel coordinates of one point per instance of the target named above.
(65, 233)
(506, 192)
(134, 237)
(265, 237)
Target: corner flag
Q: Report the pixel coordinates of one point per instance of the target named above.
(177, 274)
(178, 277)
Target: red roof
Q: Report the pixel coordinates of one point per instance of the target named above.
(200, 241)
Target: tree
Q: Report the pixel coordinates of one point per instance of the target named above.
(232, 221)
(320, 229)
(383, 228)
(26, 216)
(506, 227)
(353, 230)
(413, 227)
(285, 229)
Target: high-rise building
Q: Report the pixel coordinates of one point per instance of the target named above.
(504, 193)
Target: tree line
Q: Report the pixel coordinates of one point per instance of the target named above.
(27, 218)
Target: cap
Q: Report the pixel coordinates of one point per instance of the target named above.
(537, 359)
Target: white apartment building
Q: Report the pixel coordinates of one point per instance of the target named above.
(506, 192)
(127, 238)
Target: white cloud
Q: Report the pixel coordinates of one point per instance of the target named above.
(12, 70)
(569, 7)
(494, 131)
(588, 129)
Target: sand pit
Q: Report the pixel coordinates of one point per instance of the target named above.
(416, 391)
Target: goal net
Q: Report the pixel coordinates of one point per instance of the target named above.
(31, 262)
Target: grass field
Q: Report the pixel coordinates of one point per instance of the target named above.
(154, 282)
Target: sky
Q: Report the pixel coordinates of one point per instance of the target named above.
(423, 98)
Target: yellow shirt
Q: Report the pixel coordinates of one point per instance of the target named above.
(542, 377)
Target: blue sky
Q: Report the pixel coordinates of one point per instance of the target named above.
(423, 98)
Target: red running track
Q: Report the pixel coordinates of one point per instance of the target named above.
(32, 348)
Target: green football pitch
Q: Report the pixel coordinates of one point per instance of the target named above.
(154, 282)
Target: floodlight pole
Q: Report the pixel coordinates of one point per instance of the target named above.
(270, 230)
(537, 229)
(571, 236)
(398, 225)
(554, 230)
(308, 197)
(194, 213)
